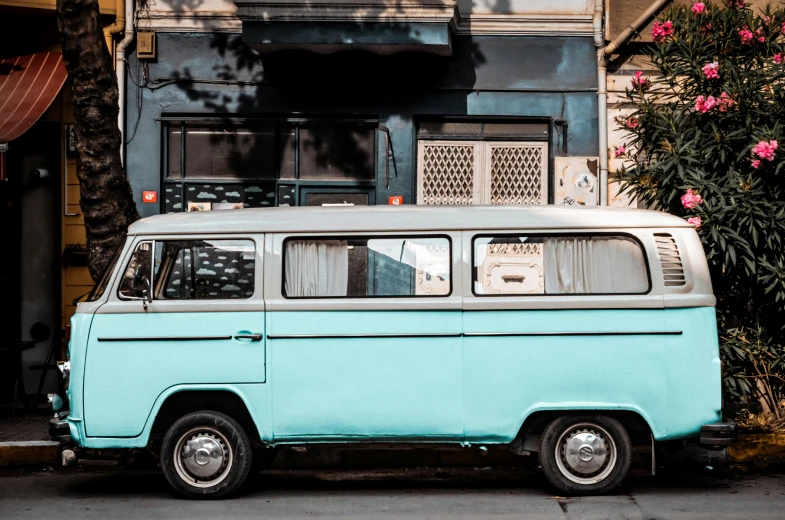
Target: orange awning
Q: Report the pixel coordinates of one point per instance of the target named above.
(28, 85)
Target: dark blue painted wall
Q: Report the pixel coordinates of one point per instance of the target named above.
(217, 75)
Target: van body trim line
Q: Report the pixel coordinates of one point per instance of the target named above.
(364, 336)
(578, 333)
(170, 338)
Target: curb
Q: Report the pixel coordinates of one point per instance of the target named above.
(758, 449)
(26, 453)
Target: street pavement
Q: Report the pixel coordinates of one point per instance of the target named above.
(468, 493)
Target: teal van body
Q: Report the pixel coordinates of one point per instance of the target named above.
(460, 389)
(459, 369)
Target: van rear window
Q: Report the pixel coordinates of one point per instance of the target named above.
(373, 267)
(516, 265)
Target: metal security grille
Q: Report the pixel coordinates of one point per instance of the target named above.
(518, 174)
(519, 249)
(447, 172)
(482, 172)
(670, 259)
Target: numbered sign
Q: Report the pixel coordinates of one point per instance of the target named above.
(149, 197)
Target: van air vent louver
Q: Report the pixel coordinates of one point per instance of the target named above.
(670, 259)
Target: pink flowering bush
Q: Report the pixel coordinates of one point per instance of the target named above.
(725, 102)
(661, 32)
(705, 103)
(765, 150)
(619, 151)
(691, 199)
(638, 81)
(746, 35)
(711, 70)
(703, 143)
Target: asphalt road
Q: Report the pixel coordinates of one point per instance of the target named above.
(390, 494)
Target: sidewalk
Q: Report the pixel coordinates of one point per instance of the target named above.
(24, 441)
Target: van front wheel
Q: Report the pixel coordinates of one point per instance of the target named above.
(585, 455)
(206, 455)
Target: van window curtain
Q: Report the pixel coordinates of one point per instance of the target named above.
(593, 265)
(316, 268)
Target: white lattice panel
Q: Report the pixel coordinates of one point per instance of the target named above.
(447, 172)
(518, 173)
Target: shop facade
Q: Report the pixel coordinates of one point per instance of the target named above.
(260, 104)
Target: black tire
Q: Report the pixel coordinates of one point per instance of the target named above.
(585, 454)
(221, 450)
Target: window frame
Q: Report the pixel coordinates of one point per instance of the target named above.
(348, 237)
(539, 234)
(125, 268)
(258, 271)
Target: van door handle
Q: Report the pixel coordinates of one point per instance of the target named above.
(252, 337)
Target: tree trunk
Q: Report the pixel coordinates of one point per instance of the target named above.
(106, 198)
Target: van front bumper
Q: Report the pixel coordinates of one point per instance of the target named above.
(716, 436)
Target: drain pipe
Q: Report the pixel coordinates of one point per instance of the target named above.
(602, 97)
(603, 52)
(121, 72)
(117, 27)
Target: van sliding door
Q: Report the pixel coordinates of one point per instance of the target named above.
(364, 337)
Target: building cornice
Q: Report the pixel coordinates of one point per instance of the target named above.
(366, 11)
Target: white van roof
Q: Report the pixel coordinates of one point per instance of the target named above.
(401, 218)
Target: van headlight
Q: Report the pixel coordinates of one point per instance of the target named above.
(65, 369)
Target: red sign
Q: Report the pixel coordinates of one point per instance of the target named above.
(397, 200)
(149, 197)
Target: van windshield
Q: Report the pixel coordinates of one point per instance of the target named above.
(100, 287)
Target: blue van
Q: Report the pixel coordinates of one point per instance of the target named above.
(570, 332)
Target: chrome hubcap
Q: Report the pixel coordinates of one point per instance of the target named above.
(586, 453)
(203, 456)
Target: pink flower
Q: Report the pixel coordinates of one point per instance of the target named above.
(765, 149)
(711, 70)
(767, 19)
(618, 151)
(759, 34)
(691, 199)
(756, 163)
(638, 81)
(707, 28)
(698, 8)
(778, 58)
(660, 32)
(695, 221)
(631, 123)
(746, 35)
(725, 102)
(704, 104)
(736, 3)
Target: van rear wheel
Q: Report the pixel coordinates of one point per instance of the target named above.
(206, 455)
(585, 455)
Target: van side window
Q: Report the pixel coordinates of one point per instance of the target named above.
(581, 264)
(374, 267)
(204, 269)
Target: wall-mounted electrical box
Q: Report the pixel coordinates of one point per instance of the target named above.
(145, 45)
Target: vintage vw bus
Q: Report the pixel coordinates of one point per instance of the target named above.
(572, 332)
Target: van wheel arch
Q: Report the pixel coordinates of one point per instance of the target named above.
(187, 401)
(534, 425)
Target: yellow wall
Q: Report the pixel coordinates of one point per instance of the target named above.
(75, 281)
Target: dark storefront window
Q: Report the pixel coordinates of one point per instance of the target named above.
(219, 152)
(213, 165)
